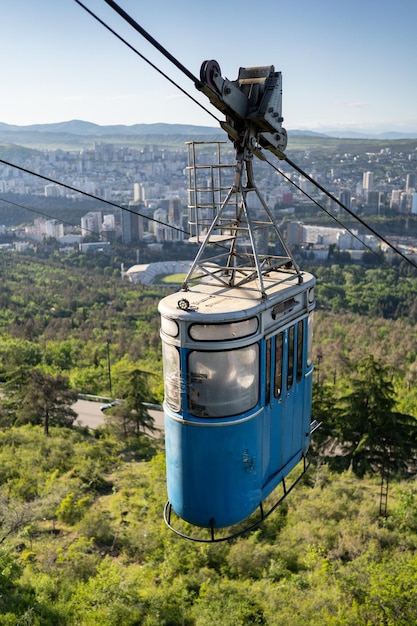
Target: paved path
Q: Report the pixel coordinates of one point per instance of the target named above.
(89, 414)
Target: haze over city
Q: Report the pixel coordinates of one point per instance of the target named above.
(346, 66)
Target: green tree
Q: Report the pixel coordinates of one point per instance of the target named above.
(324, 412)
(12, 393)
(14, 516)
(371, 434)
(132, 416)
(47, 400)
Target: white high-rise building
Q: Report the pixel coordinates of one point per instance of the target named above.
(91, 224)
(52, 191)
(160, 226)
(54, 229)
(137, 192)
(368, 181)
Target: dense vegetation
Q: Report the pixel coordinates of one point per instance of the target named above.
(82, 541)
(69, 319)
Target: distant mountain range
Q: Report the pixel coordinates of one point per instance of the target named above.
(78, 134)
(355, 134)
(79, 127)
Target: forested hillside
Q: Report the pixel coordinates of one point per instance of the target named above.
(63, 318)
(82, 540)
(64, 313)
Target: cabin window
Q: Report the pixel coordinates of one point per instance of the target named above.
(290, 374)
(223, 383)
(221, 332)
(171, 362)
(278, 365)
(169, 327)
(310, 340)
(300, 339)
(268, 372)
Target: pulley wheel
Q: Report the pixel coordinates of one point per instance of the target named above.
(207, 71)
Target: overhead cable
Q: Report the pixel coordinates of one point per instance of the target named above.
(51, 217)
(90, 195)
(320, 206)
(151, 40)
(351, 213)
(197, 82)
(155, 67)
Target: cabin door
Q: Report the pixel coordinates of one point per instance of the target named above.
(276, 403)
(293, 410)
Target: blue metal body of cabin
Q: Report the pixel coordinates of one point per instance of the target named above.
(238, 378)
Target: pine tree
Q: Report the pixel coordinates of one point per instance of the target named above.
(46, 400)
(372, 435)
(132, 415)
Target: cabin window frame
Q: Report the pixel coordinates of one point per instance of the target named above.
(299, 366)
(172, 376)
(169, 326)
(290, 357)
(268, 369)
(224, 331)
(219, 382)
(310, 322)
(279, 362)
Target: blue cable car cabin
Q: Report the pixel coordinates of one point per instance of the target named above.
(237, 338)
(238, 380)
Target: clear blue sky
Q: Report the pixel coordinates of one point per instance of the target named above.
(345, 63)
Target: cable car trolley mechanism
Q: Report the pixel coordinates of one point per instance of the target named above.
(237, 337)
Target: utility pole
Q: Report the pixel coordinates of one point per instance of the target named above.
(109, 367)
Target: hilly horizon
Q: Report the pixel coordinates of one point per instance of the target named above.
(81, 127)
(84, 128)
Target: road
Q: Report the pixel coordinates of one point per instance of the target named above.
(89, 414)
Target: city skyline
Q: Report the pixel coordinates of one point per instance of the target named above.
(345, 67)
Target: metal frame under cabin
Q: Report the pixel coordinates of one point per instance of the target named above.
(238, 237)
